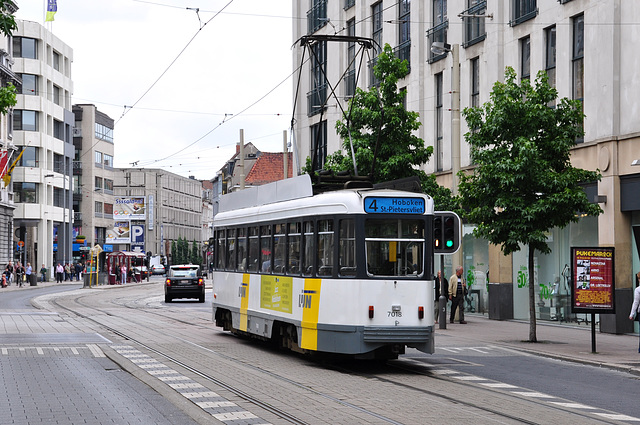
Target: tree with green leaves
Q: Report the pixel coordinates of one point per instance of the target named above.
(523, 184)
(381, 131)
(195, 257)
(7, 27)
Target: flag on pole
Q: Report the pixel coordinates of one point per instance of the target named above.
(6, 177)
(52, 8)
(4, 162)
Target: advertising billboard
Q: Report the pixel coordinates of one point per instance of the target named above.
(593, 286)
(137, 236)
(120, 233)
(130, 208)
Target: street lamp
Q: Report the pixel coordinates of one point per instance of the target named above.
(440, 48)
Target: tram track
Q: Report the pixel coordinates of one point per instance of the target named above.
(280, 413)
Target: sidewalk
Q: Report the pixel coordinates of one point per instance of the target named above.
(560, 341)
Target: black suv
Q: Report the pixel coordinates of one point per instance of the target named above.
(184, 281)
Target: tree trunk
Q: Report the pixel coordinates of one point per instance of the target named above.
(532, 299)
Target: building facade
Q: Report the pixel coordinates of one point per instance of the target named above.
(93, 175)
(8, 148)
(172, 207)
(42, 130)
(578, 43)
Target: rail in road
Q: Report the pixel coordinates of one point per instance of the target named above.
(239, 381)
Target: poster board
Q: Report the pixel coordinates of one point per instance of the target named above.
(593, 283)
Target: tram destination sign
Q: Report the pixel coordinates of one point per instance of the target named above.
(394, 205)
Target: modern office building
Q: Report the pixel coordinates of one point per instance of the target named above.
(582, 45)
(154, 208)
(42, 130)
(93, 175)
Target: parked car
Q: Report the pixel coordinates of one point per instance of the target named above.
(142, 271)
(157, 269)
(184, 281)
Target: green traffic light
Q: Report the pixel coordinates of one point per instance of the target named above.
(449, 243)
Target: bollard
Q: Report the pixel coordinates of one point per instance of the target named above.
(442, 307)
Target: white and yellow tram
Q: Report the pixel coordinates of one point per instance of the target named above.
(348, 271)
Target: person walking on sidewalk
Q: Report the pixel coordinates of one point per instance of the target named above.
(59, 273)
(457, 291)
(635, 308)
(43, 273)
(28, 272)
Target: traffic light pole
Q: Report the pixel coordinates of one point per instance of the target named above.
(442, 301)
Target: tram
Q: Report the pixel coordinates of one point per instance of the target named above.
(346, 272)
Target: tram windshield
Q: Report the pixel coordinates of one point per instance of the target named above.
(395, 247)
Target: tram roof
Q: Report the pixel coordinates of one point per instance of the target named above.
(292, 197)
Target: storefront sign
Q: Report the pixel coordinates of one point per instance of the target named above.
(593, 287)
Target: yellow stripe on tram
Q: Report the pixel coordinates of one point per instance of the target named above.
(244, 301)
(310, 310)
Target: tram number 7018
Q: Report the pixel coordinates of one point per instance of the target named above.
(394, 314)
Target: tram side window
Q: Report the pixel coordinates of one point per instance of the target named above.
(231, 249)
(347, 247)
(242, 249)
(325, 247)
(279, 248)
(309, 248)
(293, 267)
(222, 250)
(254, 249)
(265, 249)
(395, 247)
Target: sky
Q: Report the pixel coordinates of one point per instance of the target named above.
(180, 84)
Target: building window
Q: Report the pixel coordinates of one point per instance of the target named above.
(522, 10)
(29, 158)
(58, 163)
(24, 47)
(348, 4)
(29, 84)
(475, 82)
(578, 62)
(474, 31)
(319, 143)
(58, 129)
(25, 193)
(525, 58)
(376, 15)
(58, 197)
(550, 57)
(25, 120)
(317, 97)
(438, 33)
(104, 133)
(108, 160)
(317, 16)
(98, 207)
(439, 123)
(108, 185)
(98, 158)
(56, 96)
(350, 77)
(98, 183)
(108, 209)
(56, 61)
(403, 51)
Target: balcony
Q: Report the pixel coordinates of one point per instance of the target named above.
(474, 30)
(403, 52)
(77, 168)
(317, 16)
(437, 33)
(77, 218)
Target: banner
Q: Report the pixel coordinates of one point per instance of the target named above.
(137, 237)
(593, 286)
(130, 208)
(52, 8)
(121, 233)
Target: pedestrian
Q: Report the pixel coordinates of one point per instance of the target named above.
(19, 274)
(441, 285)
(67, 272)
(457, 291)
(43, 273)
(123, 274)
(8, 271)
(78, 269)
(635, 308)
(59, 273)
(28, 272)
